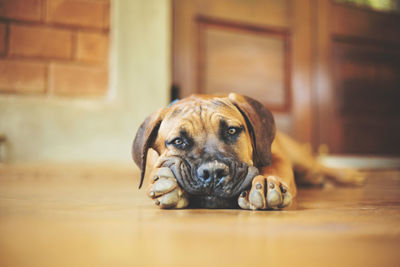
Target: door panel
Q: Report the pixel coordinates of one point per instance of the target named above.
(244, 59)
(362, 57)
(367, 91)
(246, 47)
(329, 71)
(353, 21)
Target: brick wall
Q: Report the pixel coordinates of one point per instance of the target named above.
(54, 47)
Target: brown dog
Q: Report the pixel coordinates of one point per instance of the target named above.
(224, 152)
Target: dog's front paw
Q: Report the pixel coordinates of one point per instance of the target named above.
(266, 193)
(165, 191)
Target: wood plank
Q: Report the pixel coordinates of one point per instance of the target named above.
(246, 59)
(75, 221)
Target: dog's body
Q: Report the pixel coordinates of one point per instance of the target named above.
(223, 152)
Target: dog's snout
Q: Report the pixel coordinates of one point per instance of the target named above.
(212, 171)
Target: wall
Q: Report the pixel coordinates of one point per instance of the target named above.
(54, 47)
(64, 129)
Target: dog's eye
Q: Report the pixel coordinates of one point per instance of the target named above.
(177, 141)
(232, 131)
(229, 133)
(182, 142)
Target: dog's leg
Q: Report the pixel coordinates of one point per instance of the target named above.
(274, 188)
(165, 191)
(311, 172)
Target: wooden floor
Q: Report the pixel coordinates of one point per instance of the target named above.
(75, 217)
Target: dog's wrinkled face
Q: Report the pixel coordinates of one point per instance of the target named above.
(213, 145)
(207, 145)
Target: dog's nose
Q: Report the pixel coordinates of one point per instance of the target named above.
(212, 172)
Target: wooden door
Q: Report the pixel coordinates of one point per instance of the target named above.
(259, 48)
(357, 78)
(329, 71)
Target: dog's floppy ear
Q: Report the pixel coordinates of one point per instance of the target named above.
(144, 139)
(261, 125)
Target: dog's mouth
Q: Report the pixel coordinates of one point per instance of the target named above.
(214, 184)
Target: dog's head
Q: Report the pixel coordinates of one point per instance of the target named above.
(213, 145)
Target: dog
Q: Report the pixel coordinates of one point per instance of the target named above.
(224, 152)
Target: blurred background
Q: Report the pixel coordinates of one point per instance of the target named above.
(77, 77)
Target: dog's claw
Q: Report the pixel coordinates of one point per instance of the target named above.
(283, 189)
(271, 185)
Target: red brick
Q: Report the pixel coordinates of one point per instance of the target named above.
(76, 80)
(29, 10)
(22, 77)
(3, 33)
(92, 47)
(40, 42)
(84, 13)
